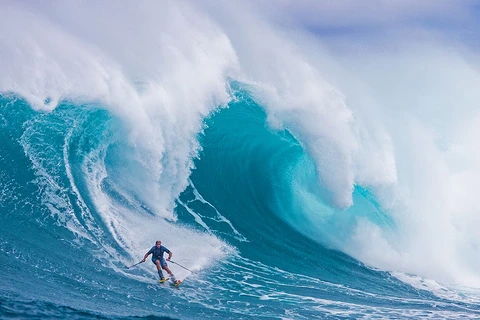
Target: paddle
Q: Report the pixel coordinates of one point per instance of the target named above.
(136, 264)
(182, 266)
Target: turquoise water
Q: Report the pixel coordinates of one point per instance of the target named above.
(251, 188)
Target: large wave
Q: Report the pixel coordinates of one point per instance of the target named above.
(378, 156)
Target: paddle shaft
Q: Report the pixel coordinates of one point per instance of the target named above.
(182, 266)
(136, 264)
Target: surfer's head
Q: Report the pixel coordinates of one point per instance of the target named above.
(158, 243)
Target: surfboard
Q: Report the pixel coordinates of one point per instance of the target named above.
(177, 283)
(162, 281)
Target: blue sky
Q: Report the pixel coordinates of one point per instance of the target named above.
(456, 20)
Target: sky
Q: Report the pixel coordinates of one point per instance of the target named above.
(349, 13)
(455, 19)
(450, 19)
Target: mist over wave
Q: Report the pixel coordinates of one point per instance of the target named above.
(378, 156)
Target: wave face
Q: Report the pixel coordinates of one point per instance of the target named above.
(293, 180)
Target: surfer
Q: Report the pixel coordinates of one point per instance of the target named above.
(157, 252)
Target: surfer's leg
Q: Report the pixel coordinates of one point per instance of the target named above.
(159, 268)
(166, 268)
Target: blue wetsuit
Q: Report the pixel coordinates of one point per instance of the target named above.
(157, 254)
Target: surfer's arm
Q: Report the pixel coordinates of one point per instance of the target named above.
(169, 256)
(147, 254)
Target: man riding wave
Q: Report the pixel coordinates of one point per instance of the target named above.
(157, 252)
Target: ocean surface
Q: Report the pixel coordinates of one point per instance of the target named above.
(284, 188)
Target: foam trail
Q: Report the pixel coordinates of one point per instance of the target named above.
(56, 198)
(197, 218)
(219, 216)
